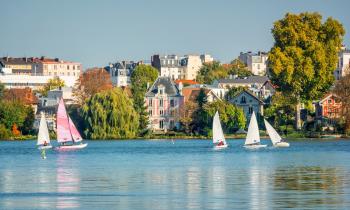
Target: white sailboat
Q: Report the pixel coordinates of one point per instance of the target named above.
(274, 136)
(67, 134)
(218, 135)
(252, 140)
(43, 135)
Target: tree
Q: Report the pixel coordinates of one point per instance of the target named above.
(92, 81)
(186, 115)
(200, 117)
(304, 56)
(2, 88)
(52, 84)
(342, 90)
(238, 68)
(233, 91)
(110, 115)
(231, 116)
(210, 72)
(142, 77)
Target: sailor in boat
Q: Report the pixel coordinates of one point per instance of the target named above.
(221, 143)
(253, 144)
(45, 143)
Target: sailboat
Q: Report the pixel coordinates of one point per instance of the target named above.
(252, 140)
(43, 135)
(67, 134)
(274, 136)
(218, 135)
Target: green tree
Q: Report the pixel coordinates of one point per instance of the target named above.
(304, 56)
(231, 116)
(142, 77)
(200, 117)
(210, 72)
(27, 126)
(2, 88)
(51, 84)
(238, 68)
(110, 115)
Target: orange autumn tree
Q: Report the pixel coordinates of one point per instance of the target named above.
(92, 81)
(15, 130)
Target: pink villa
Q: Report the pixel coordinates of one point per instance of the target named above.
(163, 102)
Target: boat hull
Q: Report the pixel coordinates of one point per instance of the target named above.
(216, 147)
(45, 147)
(281, 144)
(71, 147)
(258, 146)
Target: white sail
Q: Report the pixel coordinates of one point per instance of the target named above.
(218, 134)
(274, 136)
(43, 135)
(253, 135)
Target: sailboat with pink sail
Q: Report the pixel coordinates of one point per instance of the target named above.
(68, 136)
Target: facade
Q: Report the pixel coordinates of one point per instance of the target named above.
(120, 72)
(39, 66)
(33, 82)
(179, 67)
(343, 65)
(249, 103)
(191, 94)
(163, 101)
(256, 62)
(328, 107)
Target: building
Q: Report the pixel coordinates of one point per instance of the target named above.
(39, 66)
(249, 103)
(33, 82)
(191, 94)
(252, 81)
(163, 101)
(329, 107)
(179, 67)
(343, 65)
(217, 91)
(256, 62)
(35, 72)
(120, 72)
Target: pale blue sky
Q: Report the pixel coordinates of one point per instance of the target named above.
(101, 31)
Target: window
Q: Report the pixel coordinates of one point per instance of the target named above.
(161, 112)
(172, 113)
(243, 100)
(329, 101)
(73, 67)
(150, 112)
(161, 124)
(150, 102)
(172, 124)
(250, 110)
(161, 102)
(172, 102)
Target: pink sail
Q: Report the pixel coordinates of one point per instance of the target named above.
(63, 130)
(74, 131)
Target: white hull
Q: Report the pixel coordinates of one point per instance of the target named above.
(255, 146)
(216, 147)
(281, 144)
(71, 147)
(41, 147)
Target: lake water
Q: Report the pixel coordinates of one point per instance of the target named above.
(157, 174)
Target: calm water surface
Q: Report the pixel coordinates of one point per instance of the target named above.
(312, 174)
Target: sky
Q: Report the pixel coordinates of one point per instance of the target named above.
(98, 32)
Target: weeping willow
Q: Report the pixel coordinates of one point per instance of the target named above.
(110, 115)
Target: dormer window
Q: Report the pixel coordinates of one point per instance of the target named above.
(161, 89)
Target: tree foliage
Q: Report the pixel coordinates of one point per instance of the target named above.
(238, 68)
(51, 84)
(342, 90)
(186, 116)
(232, 117)
(92, 81)
(304, 55)
(210, 72)
(142, 77)
(110, 115)
(233, 91)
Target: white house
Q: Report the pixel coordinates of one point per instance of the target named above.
(249, 103)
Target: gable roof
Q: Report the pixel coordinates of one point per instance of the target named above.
(249, 93)
(170, 87)
(247, 80)
(191, 94)
(327, 96)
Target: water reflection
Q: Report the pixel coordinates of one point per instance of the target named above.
(309, 186)
(68, 182)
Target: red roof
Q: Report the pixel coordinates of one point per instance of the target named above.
(185, 81)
